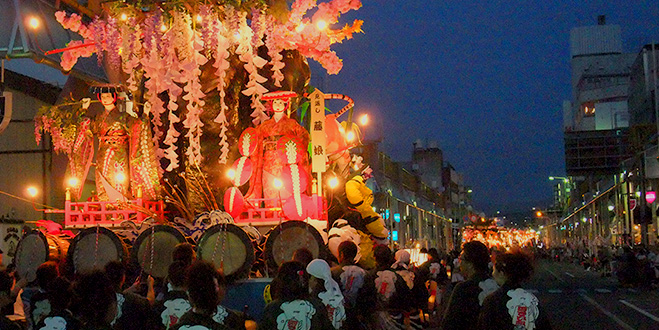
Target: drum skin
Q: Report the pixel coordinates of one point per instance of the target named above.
(229, 248)
(93, 248)
(36, 248)
(284, 239)
(155, 259)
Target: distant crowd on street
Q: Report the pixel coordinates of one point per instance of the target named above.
(633, 266)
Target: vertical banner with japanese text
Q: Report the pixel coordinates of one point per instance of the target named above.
(317, 128)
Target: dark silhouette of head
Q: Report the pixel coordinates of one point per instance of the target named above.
(303, 256)
(477, 254)
(347, 252)
(205, 285)
(293, 281)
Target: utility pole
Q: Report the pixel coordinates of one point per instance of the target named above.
(656, 110)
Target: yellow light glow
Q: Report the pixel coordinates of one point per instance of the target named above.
(277, 183)
(321, 25)
(363, 120)
(163, 28)
(300, 28)
(538, 214)
(236, 35)
(350, 136)
(73, 182)
(34, 22)
(32, 191)
(120, 177)
(124, 17)
(199, 19)
(231, 174)
(333, 182)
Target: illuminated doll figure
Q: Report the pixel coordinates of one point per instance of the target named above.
(125, 158)
(270, 158)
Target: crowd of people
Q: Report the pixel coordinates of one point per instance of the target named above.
(304, 294)
(632, 265)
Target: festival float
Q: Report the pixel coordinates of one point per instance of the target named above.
(501, 238)
(208, 132)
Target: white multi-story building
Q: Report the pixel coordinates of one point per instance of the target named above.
(597, 117)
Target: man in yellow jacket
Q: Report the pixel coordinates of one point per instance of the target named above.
(360, 198)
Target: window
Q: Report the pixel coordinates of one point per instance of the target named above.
(588, 109)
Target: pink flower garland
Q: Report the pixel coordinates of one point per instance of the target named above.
(193, 95)
(173, 58)
(253, 62)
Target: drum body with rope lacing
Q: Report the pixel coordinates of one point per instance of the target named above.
(153, 249)
(229, 248)
(284, 239)
(95, 247)
(36, 248)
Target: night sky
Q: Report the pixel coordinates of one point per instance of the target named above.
(486, 80)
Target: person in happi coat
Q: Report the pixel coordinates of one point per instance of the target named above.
(95, 301)
(133, 310)
(417, 286)
(323, 286)
(55, 312)
(350, 278)
(294, 307)
(206, 288)
(467, 297)
(511, 307)
(6, 282)
(433, 273)
(175, 301)
(392, 293)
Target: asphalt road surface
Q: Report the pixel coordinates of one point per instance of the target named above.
(574, 298)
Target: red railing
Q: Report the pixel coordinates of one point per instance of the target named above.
(109, 214)
(256, 215)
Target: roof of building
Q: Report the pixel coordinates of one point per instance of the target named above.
(33, 87)
(18, 40)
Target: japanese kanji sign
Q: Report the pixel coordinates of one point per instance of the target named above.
(318, 143)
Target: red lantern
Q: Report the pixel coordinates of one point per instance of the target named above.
(292, 148)
(234, 202)
(247, 142)
(242, 170)
(305, 207)
(295, 179)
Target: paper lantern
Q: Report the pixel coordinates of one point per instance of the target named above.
(300, 209)
(234, 202)
(295, 179)
(247, 142)
(242, 170)
(292, 148)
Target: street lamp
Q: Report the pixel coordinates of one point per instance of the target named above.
(34, 22)
(552, 178)
(333, 182)
(32, 191)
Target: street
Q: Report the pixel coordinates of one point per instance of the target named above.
(574, 298)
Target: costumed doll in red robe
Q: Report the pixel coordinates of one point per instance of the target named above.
(270, 158)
